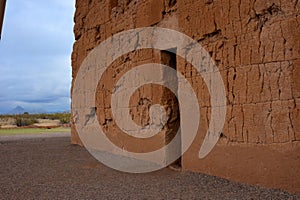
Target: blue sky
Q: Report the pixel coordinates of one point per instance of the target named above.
(35, 55)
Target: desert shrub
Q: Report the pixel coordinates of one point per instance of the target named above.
(64, 118)
(29, 119)
(25, 121)
(42, 116)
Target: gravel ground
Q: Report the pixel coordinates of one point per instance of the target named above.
(52, 168)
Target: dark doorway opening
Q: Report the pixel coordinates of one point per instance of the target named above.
(169, 58)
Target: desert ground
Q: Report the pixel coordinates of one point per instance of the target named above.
(47, 166)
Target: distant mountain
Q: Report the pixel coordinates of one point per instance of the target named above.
(17, 110)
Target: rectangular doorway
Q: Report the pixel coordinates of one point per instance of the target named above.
(169, 58)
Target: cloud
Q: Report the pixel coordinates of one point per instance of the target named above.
(35, 63)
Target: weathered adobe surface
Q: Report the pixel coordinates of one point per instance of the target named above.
(256, 45)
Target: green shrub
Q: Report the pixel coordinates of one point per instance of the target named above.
(23, 121)
(65, 120)
(27, 119)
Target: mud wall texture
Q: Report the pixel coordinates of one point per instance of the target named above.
(256, 46)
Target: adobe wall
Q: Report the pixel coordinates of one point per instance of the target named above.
(255, 44)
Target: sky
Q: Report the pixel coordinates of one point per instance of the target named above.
(35, 55)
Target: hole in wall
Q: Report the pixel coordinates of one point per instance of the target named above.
(172, 3)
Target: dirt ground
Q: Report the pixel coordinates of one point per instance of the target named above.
(46, 122)
(51, 168)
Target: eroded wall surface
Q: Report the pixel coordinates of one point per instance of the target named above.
(256, 46)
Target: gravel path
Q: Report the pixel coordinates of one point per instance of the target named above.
(52, 168)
